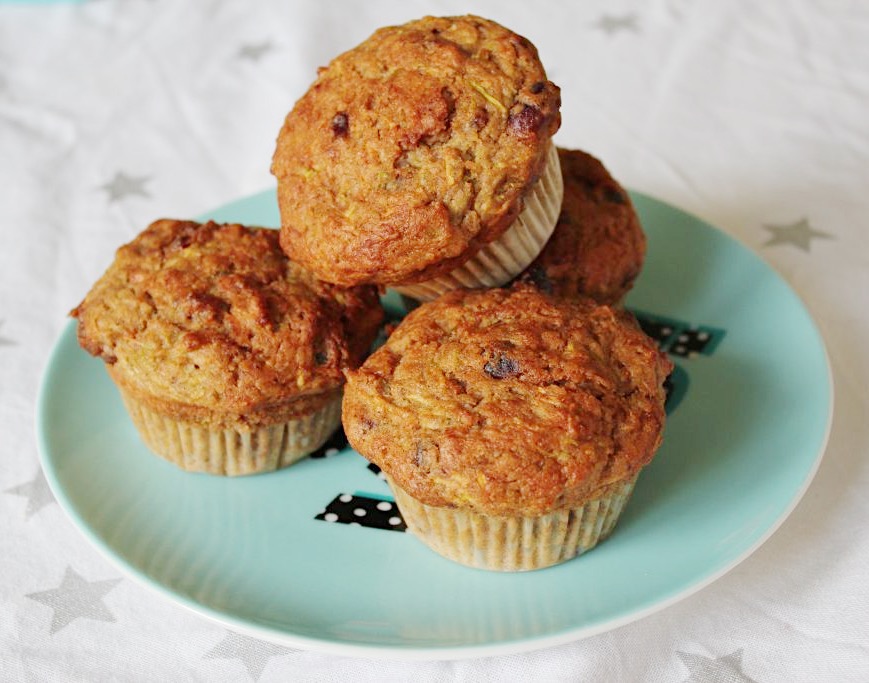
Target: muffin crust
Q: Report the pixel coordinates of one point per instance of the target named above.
(212, 324)
(412, 150)
(598, 246)
(509, 402)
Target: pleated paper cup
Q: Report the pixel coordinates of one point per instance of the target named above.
(232, 451)
(500, 261)
(514, 544)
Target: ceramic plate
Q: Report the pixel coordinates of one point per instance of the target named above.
(280, 557)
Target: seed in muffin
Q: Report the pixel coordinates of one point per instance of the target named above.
(501, 367)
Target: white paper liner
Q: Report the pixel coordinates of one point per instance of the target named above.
(500, 261)
(514, 543)
(233, 452)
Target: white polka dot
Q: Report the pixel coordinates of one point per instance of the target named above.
(359, 512)
(683, 337)
(330, 452)
(384, 506)
(666, 330)
(355, 524)
(345, 498)
(330, 517)
(702, 336)
(382, 475)
(679, 349)
(395, 521)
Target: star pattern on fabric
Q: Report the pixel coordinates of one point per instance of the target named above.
(123, 185)
(253, 653)
(726, 669)
(255, 51)
(3, 340)
(799, 234)
(76, 598)
(610, 24)
(37, 493)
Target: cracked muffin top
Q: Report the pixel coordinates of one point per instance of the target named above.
(508, 401)
(598, 246)
(212, 323)
(412, 150)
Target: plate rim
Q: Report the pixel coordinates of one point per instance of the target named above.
(413, 652)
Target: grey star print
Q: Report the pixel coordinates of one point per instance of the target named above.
(727, 669)
(610, 24)
(255, 51)
(799, 234)
(37, 493)
(253, 653)
(123, 185)
(76, 598)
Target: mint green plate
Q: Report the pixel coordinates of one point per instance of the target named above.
(750, 410)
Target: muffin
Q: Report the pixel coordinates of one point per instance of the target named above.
(598, 245)
(511, 425)
(422, 160)
(228, 356)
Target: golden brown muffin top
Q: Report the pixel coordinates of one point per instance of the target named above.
(509, 402)
(412, 150)
(598, 246)
(212, 323)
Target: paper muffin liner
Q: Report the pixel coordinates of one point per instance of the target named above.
(514, 543)
(232, 452)
(500, 261)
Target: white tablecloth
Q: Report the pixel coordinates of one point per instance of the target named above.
(754, 116)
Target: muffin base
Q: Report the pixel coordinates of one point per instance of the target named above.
(513, 544)
(500, 261)
(232, 452)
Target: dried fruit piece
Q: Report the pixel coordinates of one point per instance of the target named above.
(341, 124)
(526, 122)
(501, 367)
